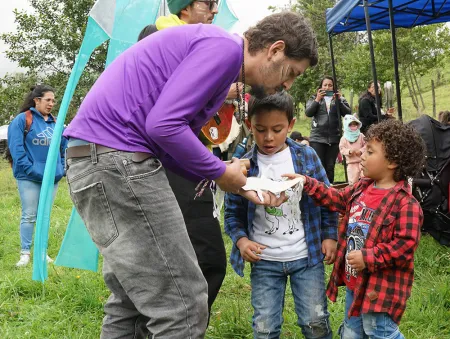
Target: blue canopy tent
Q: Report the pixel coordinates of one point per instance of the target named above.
(368, 15)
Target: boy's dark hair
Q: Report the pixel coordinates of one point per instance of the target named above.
(280, 101)
(402, 145)
(292, 28)
(37, 91)
(296, 136)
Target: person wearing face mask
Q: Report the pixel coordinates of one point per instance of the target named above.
(367, 108)
(29, 137)
(352, 146)
(326, 123)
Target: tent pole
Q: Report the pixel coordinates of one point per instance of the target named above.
(333, 69)
(338, 110)
(372, 59)
(395, 57)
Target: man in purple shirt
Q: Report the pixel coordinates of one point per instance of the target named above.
(143, 114)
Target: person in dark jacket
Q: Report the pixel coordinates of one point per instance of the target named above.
(29, 151)
(326, 123)
(367, 108)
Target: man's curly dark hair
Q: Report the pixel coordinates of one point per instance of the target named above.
(402, 145)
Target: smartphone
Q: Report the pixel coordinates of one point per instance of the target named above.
(329, 93)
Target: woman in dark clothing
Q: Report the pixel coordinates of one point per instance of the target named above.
(326, 123)
(367, 108)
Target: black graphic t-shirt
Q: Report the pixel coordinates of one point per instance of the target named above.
(361, 215)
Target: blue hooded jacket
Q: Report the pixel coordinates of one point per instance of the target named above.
(30, 153)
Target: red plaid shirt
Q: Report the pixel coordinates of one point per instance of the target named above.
(393, 236)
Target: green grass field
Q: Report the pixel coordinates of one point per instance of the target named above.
(70, 303)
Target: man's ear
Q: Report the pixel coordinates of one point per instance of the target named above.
(185, 14)
(276, 50)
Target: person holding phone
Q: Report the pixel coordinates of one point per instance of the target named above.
(326, 123)
(367, 108)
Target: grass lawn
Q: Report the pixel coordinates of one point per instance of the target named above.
(70, 303)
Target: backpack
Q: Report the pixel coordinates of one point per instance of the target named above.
(28, 122)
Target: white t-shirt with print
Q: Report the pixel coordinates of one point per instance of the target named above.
(279, 228)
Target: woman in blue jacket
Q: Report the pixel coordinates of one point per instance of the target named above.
(29, 136)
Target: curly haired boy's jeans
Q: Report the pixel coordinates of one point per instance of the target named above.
(269, 279)
(369, 325)
(29, 192)
(149, 264)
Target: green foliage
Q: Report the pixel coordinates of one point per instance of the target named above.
(48, 38)
(13, 88)
(420, 50)
(46, 43)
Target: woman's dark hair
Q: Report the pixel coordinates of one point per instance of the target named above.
(292, 28)
(368, 95)
(327, 77)
(280, 101)
(296, 136)
(146, 31)
(444, 117)
(402, 146)
(37, 91)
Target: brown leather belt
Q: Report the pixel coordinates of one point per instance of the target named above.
(85, 151)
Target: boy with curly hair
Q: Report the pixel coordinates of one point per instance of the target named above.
(378, 234)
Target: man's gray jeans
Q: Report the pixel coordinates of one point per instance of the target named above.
(157, 287)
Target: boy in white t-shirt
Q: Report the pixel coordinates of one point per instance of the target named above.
(286, 241)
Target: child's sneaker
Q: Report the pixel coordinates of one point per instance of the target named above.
(49, 260)
(24, 260)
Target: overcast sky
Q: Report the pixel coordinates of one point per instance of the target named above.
(248, 12)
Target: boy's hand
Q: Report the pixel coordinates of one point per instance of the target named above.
(329, 250)
(356, 261)
(250, 250)
(232, 179)
(270, 199)
(293, 176)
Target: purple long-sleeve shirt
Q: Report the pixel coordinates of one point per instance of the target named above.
(156, 96)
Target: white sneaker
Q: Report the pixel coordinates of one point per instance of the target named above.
(24, 260)
(49, 260)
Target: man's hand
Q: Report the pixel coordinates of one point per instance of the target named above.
(233, 179)
(329, 250)
(356, 261)
(270, 199)
(232, 93)
(250, 250)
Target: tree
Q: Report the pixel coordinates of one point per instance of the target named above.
(47, 42)
(419, 50)
(307, 84)
(13, 88)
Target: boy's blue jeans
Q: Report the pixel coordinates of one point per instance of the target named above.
(269, 278)
(29, 192)
(368, 325)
